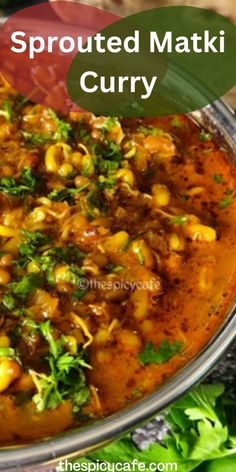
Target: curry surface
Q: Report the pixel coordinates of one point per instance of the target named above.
(147, 210)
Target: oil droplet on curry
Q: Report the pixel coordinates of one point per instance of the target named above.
(117, 260)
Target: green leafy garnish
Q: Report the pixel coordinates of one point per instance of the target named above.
(25, 184)
(37, 138)
(109, 123)
(6, 110)
(66, 194)
(63, 128)
(27, 284)
(165, 352)
(8, 352)
(205, 136)
(146, 130)
(80, 293)
(61, 133)
(200, 438)
(68, 254)
(218, 178)
(66, 379)
(225, 202)
(8, 301)
(178, 220)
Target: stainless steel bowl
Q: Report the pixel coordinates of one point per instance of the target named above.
(220, 120)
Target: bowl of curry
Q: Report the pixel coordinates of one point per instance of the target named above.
(117, 270)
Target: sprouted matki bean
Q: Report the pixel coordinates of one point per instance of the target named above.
(117, 260)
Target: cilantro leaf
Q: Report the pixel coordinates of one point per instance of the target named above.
(61, 133)
(7, 111)
(149, 130)
(63, 128)
(37, 138)
(218, 178)
(66, 194)
(109, 123)
(205, 136)
(178, 220)
(66, 379)
(25, 184)
(225, 202)
(67, 254)
(165, 352)
(45, 329)
(197, 439)
(28, 284)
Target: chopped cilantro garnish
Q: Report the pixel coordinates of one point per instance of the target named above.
(204, 136)
(33, 240)
(146, 130)
(61, 133)
(165, 352)
(8, 301)
(80, 293)
(7, 111)
(225, 202)
(8, 352)
(178, 220)
(26, 285)
(109, 123)
(66, 194)
(63, 128)
(66, 379)
(36, 138)
(218, 178)
(25, 184)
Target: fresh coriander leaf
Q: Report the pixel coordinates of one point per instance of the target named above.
(68, 254)
(8, 301)
(33, 240)
(139, 254)
(7, 352)
(204, 136)
(80, 293)
(46, 331)
(114, 268)
(218, 178)
(178, 220)
(62, 132)
(146, 130)
(190, 445)
(108, 151)
(25, 184)
(84, 134)
(110, 123)
(37, 138)
(65, 381)
(165, 352)
(64, 194)
(63, 128)
(28, 284)
(7, 110)
(227, 464)
(225, 202)
(95, 199)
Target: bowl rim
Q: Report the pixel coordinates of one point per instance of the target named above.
(85, 439)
